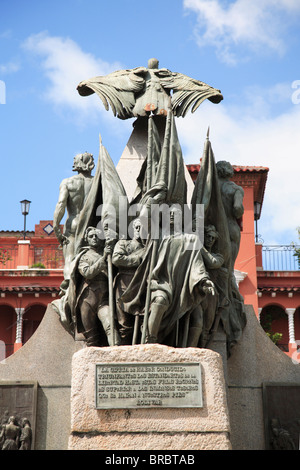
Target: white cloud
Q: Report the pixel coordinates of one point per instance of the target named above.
(240, 137)
(65, 64)
(9, 67)
(259, 25)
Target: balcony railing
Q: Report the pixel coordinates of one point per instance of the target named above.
(280, 258)
(283, 347)
(49, 256)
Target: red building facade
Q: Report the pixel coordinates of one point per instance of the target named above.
(31, 271)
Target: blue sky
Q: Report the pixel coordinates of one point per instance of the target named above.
(247, 48)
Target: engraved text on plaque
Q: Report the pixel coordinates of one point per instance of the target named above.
(148, 385)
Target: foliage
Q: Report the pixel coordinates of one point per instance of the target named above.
(267, 326)
(4, 256)
(38, 265)
(275, 337)
(297, 250)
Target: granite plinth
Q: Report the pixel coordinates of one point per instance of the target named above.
(200, 428)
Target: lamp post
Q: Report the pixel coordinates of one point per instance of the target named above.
(257, 209)
(25, 211)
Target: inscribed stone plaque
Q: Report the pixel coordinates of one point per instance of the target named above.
(282, 416)
(148, 385)
(18, 399)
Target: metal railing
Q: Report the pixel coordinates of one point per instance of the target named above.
(48, 256)
(283, 347)
(280, 258)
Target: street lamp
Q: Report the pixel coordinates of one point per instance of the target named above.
(257, 210)
(25, 211)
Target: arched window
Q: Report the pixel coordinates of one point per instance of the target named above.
(274, 321)
(297, 325)
(33, 316)
(8, 321)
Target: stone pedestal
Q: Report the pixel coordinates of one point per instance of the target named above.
(153, 428)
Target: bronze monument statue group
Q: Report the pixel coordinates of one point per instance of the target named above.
(158, 268)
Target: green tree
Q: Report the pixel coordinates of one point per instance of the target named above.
(267, 326)
(297, 249)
